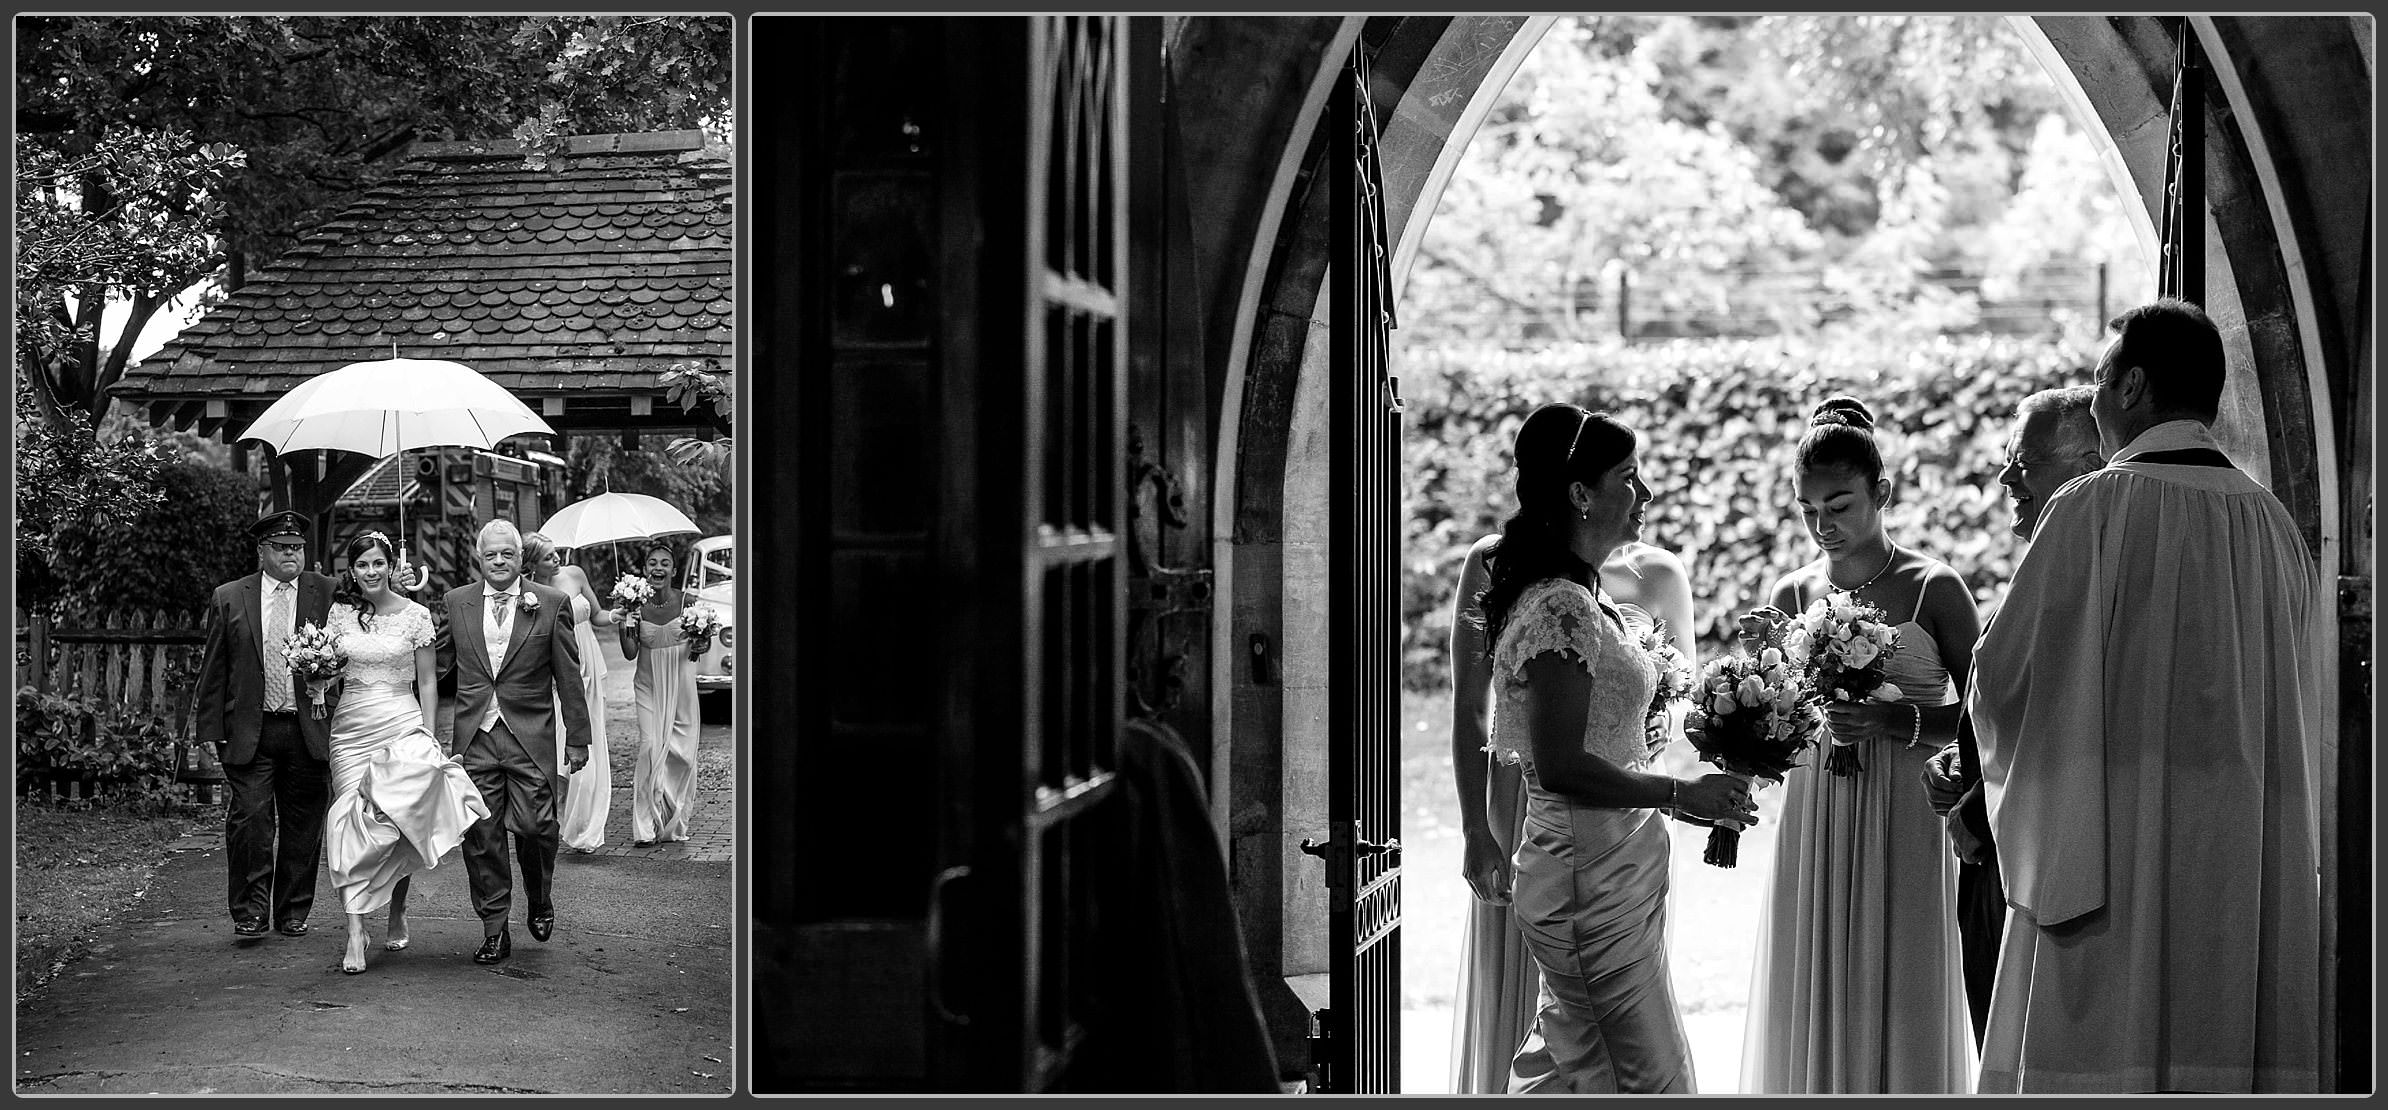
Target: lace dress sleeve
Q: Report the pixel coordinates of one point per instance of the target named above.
(419, 632)
(1551, 617)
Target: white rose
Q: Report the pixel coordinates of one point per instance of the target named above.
(1752, 692)
(1888, 692)
(1770, 658)
(1786, 699)
(1721, 704)
(1862, 652)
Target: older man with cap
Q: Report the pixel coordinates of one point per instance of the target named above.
(276, 756)
(2055, 441)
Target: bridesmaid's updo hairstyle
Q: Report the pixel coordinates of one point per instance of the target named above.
(1537, 541)
(535, 546)
(347, 590)
(1841, 436)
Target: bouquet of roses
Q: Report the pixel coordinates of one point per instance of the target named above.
(699, 623)
(630, 592)
(315, 656)
(1674, 684)
(1751, 716)
(1844, 645)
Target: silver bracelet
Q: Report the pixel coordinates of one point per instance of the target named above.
(1675, 795)
(1916, 738)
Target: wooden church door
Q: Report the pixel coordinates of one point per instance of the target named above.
(940, 344)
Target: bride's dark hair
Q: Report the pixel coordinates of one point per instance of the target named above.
(347, 590)
(1566, 446)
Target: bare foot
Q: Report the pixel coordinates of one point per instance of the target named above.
(353, 960)
(398, 938)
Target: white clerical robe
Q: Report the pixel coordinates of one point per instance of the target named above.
(2146, 706)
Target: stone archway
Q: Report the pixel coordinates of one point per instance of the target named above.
(2289, 194)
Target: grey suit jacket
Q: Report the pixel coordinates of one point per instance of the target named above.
(541, 657)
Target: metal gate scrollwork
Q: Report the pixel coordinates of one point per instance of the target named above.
(1358, 1046)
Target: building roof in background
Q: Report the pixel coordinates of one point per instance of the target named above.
(581, 276)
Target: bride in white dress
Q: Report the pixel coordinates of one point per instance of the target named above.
(588, 793)
(398, 801)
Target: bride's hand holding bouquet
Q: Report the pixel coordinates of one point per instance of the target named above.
(316, 659)
(1751, 716)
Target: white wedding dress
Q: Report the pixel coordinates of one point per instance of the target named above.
(398, 802)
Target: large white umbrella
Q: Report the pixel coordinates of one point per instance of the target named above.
(609, 517)
(394, 405)
(386, 406)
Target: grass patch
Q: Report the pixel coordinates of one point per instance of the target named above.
(76, 869)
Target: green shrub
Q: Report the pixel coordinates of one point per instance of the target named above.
(170, 555)
(127, 759)
(1719, 421)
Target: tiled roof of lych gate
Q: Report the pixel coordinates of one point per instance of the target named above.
(593, 273)
(380, 485)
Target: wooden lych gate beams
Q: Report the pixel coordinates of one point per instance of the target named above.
(1358, 1035)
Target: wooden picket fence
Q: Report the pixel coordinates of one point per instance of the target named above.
(136, 662)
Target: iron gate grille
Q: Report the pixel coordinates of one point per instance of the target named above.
(1362, 1031)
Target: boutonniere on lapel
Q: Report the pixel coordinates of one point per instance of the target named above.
(527, 601)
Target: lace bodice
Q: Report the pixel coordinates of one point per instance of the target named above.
(386, 654)
(1555, 615)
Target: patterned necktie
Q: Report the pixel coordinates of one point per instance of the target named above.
(278, 629)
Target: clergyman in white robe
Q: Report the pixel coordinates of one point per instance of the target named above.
(2145, 705)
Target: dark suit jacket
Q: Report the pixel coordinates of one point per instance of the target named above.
(541, 658)
(232, 669)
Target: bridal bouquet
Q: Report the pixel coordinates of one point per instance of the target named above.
(1844, 645)
(314, 655)
(1751, 716)
(700, 623)
(1674, 683)
(630, 592)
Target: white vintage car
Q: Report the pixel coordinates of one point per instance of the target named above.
(709, 578)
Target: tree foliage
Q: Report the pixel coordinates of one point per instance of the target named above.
(155, 150)
(1838, 160)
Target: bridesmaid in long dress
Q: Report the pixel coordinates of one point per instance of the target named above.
(588, 793)
(1499, 986)
(1858, 982)
(663, 780)
(1572, 686)
(398, 801)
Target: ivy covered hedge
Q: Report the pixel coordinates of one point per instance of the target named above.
(1719, 421)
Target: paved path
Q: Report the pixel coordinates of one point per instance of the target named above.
(631, 995)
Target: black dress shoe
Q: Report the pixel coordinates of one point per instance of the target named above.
(495, 947)
(543, 924)
(292, 928)
(248, 926)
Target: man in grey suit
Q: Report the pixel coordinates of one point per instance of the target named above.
(514, 649)
(276, 752)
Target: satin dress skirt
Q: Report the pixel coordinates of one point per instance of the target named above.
(398, 802)
(1590, 899)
